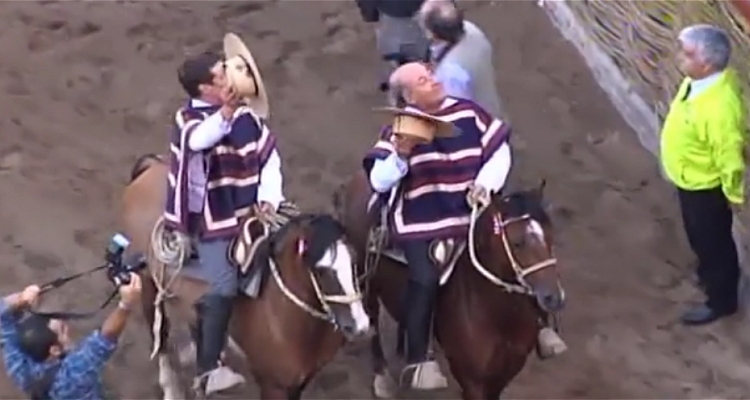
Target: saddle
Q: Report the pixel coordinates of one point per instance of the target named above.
(444, 253)
(252, 249)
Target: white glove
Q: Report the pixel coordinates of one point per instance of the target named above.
(478, 196)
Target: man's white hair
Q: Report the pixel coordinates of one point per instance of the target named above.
(711, 43)
(396, 89)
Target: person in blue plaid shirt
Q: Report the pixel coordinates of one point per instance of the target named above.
(40, 357)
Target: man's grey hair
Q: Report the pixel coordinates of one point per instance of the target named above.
(712, 44)
(444, 19)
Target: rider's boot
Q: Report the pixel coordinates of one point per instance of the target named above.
(422, 371)
(549, 343)
(215, 312)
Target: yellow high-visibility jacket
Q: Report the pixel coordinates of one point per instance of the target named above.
(703, 138)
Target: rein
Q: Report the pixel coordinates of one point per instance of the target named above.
(270, 224)
(522, 287)
(64, 315)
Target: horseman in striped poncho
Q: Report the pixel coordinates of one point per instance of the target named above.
(224, 162)
(434, 181)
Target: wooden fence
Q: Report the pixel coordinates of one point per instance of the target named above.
(630, 47)
(640, 37)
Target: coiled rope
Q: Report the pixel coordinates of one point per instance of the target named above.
(172, 249)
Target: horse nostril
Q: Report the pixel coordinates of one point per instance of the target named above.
(552, 302)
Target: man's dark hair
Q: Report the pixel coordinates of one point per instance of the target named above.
(196, 71)
(446, 22)
(35, 337)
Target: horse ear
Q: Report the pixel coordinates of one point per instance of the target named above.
(542, 185)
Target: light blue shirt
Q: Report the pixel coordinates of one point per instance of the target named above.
(455, 79)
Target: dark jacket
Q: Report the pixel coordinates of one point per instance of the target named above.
(371, 9)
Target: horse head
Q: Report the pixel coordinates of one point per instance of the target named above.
(514, 235)
(316, 243)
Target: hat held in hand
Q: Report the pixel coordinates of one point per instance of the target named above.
(416, 124)
(243, 75)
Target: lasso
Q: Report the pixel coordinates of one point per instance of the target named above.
(169, 249)
(172, 249)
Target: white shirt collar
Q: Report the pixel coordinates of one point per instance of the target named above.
(700, 85)
(199, 103)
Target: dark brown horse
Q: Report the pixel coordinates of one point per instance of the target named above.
(502, 286)
(308, 305)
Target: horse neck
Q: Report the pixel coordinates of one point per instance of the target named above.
(288, 315)
(490, 250)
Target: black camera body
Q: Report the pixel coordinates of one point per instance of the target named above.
(119, 268)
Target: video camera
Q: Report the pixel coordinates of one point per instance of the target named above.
(118, 267)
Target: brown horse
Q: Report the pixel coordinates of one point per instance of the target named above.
(495, 295)
(307, 306)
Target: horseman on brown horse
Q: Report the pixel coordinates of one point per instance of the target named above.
(436, 173)
(227, 228)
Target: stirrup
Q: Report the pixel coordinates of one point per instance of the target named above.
(550, 344)
(216, 380)
(424, 376)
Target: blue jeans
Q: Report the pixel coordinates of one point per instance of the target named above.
(213, 267)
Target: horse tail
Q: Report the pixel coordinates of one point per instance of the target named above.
(142, 164)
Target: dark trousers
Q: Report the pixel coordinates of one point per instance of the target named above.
(418, 300)
(707, 218)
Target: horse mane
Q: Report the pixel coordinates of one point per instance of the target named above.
(523, 202)
(325, 229)
(142, 164)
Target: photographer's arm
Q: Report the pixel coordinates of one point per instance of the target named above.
(129, 297)
(115, 323)
(98, 347)
(16, 363)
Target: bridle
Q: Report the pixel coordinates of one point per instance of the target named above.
(325, 300)
(521, 273)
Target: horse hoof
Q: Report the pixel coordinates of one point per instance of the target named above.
(384, 387)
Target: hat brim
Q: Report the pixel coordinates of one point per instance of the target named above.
(233, 47)
(442, 128)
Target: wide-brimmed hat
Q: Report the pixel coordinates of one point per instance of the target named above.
(410, 121)
(244, 76)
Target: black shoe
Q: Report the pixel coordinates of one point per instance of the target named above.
(215, 312)
(702, 315)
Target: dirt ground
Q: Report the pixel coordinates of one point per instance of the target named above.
(89, 86)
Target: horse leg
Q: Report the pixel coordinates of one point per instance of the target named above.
(475, 390)
(168, 378)
(383, 386)
(269, 391)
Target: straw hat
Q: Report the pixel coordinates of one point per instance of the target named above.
(243, 75)
(417, 124)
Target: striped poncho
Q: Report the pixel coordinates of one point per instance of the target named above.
(233, 168)
(431, 202)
